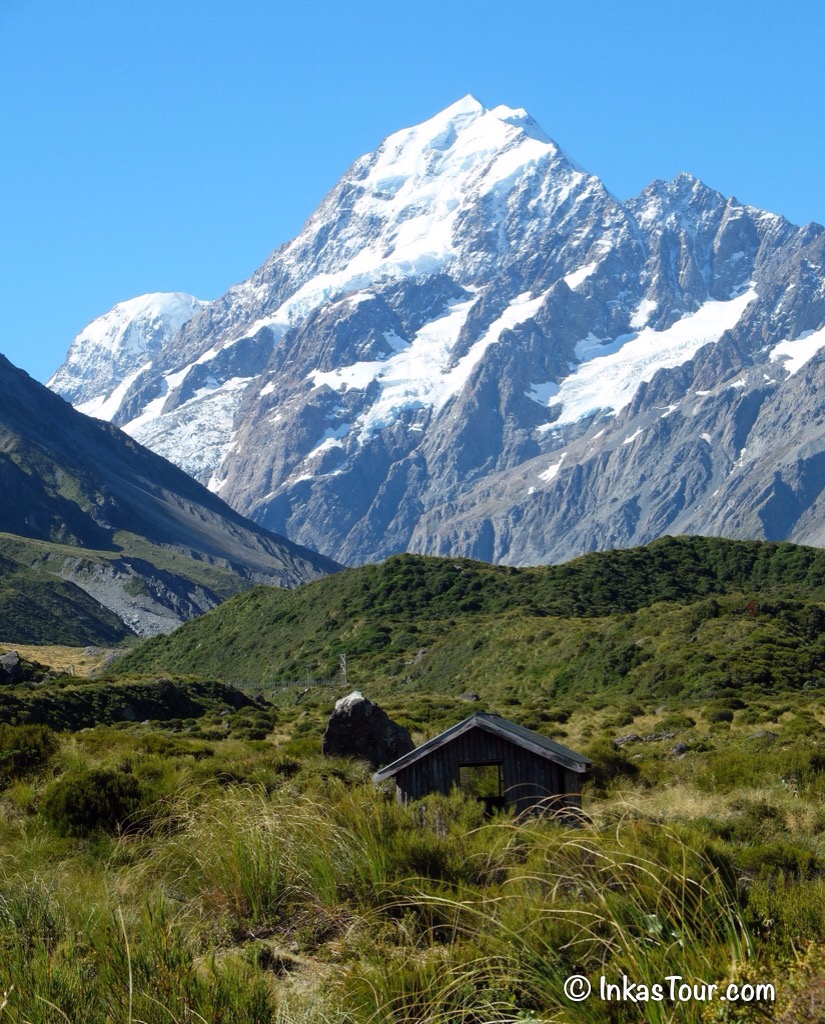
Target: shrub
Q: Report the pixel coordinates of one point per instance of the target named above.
(560, 715)
(676, 721)
(24, 749)
(609, 764)
(778, 859)
(108, 800)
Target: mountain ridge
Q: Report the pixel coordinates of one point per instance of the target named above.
(592, 623)
(98, 512)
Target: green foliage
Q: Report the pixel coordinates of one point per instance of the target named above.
(212, 864)
(70, 703)
(641, 621)
(251, 883)
(676, 721)
(37, 607)
(109, 800)
(24, 749)
(717, 714)
(609, 764)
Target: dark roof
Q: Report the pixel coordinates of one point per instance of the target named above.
(517, 734)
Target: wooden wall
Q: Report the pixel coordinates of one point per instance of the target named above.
(528, 778)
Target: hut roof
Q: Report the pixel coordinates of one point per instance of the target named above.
(498, 726)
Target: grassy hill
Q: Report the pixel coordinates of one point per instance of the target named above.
(689, 615)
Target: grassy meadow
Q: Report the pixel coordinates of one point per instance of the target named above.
(191, 856)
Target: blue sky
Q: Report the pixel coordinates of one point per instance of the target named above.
(168, 146)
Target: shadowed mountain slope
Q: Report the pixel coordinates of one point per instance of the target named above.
(87, 504)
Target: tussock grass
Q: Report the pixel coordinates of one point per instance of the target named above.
(265, 884)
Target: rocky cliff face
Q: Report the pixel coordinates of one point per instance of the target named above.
(474, 348)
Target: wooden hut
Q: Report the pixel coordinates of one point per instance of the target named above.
(499, 762)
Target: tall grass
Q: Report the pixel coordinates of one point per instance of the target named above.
(582, 903)
(435, 915)
(311, 897)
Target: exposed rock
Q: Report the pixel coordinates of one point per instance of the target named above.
(763, 734)
(11, 668)
(679, 749)
(621, 741)
(653, 737)
(469, 696)
(359, 728)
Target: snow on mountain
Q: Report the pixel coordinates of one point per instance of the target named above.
(107, 356)
(473, 347)
(795, 354)
(609, 375)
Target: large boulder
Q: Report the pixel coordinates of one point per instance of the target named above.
(11, 668)
(359, 728)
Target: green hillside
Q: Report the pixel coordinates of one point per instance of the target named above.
(683, 615)
(38, 605)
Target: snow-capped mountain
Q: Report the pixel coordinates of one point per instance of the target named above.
(473, 348)
(111, 351)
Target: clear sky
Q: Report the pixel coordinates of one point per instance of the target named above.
(170, 145)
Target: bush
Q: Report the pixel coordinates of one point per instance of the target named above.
(609, 764)
(676, 721)
(108, 800)
(560, 715)
(24, 749)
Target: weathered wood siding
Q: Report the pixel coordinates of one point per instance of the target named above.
(528, 778)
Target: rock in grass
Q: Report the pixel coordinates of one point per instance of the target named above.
(621, 741)
(359, 728)
(11, 668)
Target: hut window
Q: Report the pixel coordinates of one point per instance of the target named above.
(484, 781)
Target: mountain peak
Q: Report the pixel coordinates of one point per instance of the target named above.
(130, 323)
(466, 145)
(473, 347)
(468, 104)
(119, 343)
(466, 114)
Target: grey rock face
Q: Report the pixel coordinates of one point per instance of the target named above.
(358, 728)
(473, 348)
(11, 668)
